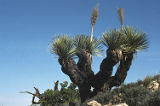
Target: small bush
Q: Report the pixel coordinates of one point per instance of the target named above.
(147, 80)
(60, 97)
(155, 99)
(134, 94)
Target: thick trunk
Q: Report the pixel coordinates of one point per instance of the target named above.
(84, 65)
(85, 92)
(79, 73)
(121, 72)
(106, 69)
(70, 68)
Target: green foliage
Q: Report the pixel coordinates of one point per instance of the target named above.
(135, 40)
(134, 94)
(130, 40)
(60, 97)
(66, 47)
(83, 43)
(155, 99)
(64, 84)
(113, 39)
(147, 80)
(63, 46)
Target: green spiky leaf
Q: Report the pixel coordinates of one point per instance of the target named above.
(63, 46)
(83, 42)
(113, 39)
(135, 40)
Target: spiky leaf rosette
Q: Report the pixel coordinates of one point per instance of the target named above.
(135, 40)
(63, 46)
(113, 39)
(82, 43)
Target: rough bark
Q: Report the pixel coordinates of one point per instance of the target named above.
(56, 85)
(70, 68)
(85, 92)
(79, 73)
(106, 69)
(121, 72)
(36, 94)
(82, 75)
(84, 65)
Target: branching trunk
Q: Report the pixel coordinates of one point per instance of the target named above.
(56, 85)
(106, 69)
(79, 73)
(82, 75)
(36, 94)
(120, 74)
(84, 65)
(70, 68)
(122, 70)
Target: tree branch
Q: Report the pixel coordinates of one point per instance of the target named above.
(56, 85)
(106, 69)
(36, 94)
(84, 65)
(120, 74)
(71, 69)
(122, 70)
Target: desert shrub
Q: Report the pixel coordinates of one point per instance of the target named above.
(157, 78)
(136, 95)
(133, 94)
(155, 99)
(60, 97)
(102, 98)
(147, 80)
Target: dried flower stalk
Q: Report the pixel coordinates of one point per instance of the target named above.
(121, 16)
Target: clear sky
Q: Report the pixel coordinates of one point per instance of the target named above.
(27, 27)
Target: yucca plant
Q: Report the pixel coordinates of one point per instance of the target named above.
(63, 46)
(82, 43)
(113, 39)
(129, 40)
(121, 46)
(135, 40)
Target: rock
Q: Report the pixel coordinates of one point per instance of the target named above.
(121, 104)
(93, 103)
(142, 85)
(117, 99)
(158, 79)
(153, 86)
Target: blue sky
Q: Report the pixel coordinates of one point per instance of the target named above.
(27, 27)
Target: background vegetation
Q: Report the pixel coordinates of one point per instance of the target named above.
(133, 94)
